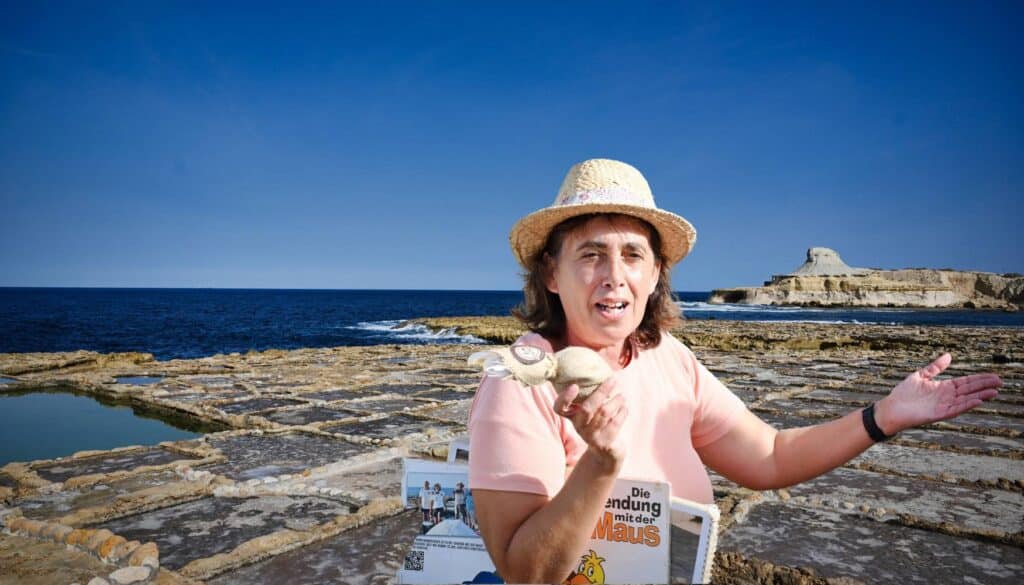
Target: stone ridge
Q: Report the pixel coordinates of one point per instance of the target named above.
(826, 262)
(824, 280)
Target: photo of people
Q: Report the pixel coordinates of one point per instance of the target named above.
(439, 492)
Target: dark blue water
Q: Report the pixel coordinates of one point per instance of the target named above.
(47, 425)
(187, 323)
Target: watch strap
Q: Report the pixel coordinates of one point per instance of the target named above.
(871, 426)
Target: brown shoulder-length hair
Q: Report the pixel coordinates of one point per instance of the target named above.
(541, 310)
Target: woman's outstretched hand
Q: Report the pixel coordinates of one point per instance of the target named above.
(919, 399)
(598, 420)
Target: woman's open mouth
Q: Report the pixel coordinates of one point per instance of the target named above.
(612, 309)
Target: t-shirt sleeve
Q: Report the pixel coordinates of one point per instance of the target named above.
(515, 440)
(716, 408)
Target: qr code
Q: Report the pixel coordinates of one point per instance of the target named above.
(414, 560)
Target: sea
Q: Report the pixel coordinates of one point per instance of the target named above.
(190, 323)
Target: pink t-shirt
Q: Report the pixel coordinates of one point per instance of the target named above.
(519, 444)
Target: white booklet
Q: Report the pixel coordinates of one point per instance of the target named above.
(449, 548)
(643, 536)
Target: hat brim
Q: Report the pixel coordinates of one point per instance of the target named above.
(530, 234)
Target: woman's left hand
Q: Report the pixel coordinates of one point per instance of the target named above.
(921, 400)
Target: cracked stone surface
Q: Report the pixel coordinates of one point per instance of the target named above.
(109, 463)
(873, 552)
(29, 561)
(392, 426)
(256, 456)
(370, 554)
(202, 528)
(938, 504)
(256, 405)
(305, 416)
(52, 505)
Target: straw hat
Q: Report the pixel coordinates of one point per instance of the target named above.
(601, 185)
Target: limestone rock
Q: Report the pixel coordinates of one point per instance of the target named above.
(97, 539)
(107, 548)
(144, 552)
(825, 280)
(826, 262)
(129, 575)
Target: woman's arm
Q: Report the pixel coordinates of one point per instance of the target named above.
(535, 540)
(755, 455)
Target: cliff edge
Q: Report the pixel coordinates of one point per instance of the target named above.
(824, 280)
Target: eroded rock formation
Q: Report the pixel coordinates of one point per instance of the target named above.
(825, 280)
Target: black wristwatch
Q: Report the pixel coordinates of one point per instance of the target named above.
(868, 418)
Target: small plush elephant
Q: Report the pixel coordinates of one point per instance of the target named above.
(531, 366)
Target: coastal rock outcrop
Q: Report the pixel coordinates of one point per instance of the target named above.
(824, 280)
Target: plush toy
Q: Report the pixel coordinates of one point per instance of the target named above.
(531, 366)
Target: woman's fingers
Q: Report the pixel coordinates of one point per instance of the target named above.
(597, 398)
(606, 411)
(936, 367)
(564, 405)
(978, 382)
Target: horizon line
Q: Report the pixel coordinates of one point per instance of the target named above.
(6, 287)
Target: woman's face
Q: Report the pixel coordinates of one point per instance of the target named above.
(603, 275)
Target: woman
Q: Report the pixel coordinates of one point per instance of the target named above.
(541, 466)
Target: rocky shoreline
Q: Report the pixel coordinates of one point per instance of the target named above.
(824, 280)
(304, 480)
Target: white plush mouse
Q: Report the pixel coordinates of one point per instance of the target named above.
(531, 366)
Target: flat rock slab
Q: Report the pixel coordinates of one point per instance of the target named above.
(340, 394)
(109, 463)
(211, 382)
(972, 508)
(253, 456)
(385, 404)
(391, 427)
(932, 463)
(42, 506)
(953, 440)
(203, 528)
(138, 380)
(989, 421)
(369, 554)
(445, 395)
(457, 412)
(398, 388)
(305, 416)
(248, 406)
(369, 482)
(874, 552)
(945, 439)
(30, 561)
(852, 396)
(815, 407)
(192, 398)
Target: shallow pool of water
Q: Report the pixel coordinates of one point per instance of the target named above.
(44, 425)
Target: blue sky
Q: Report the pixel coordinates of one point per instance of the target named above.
(393, 145)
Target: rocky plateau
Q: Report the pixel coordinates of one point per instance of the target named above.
(824, 280)
(302, 485)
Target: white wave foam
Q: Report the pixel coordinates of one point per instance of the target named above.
(414, 332)
(729, 308)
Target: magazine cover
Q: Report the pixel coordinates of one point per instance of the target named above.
(630, 543)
